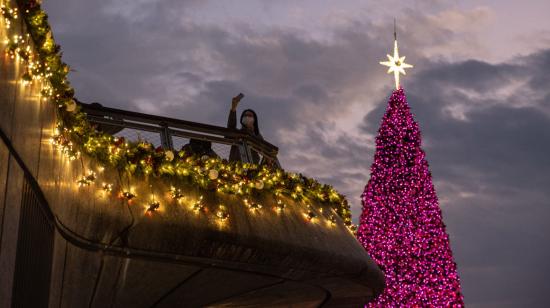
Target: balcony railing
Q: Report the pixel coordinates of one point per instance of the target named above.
(173, 134)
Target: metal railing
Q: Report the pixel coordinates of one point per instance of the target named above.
(173, 134)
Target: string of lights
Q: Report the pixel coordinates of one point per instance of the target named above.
(401, 225)
(74, 136)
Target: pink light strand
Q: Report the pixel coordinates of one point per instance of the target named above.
(401, 225)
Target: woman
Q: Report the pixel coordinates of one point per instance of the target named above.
(249, 122)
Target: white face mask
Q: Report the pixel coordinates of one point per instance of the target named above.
(247, 120)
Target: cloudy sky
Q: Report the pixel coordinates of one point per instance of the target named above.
(480, 91)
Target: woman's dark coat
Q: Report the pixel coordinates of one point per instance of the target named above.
(234, 155)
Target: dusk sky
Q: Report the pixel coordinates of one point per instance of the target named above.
(480, 91)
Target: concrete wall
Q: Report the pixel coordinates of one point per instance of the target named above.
(174, 256)
(21, 121)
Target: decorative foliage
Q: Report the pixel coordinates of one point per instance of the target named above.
(401, 225)
(280, 206)
(176, 193)
(128, 195)
(74, 135)
(253, 206)
(152, 206)
(107, 187)
(310, 214)
(87, 179)
(198, 206)
(222, 213)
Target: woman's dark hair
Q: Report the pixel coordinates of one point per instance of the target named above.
(256, 129)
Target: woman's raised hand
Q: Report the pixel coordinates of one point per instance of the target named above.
(235, 101)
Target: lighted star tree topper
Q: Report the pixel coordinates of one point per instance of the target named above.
(401, 225)
(396, 64)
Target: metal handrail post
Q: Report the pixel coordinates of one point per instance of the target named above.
(165, 137)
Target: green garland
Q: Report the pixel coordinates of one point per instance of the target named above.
(76, 135)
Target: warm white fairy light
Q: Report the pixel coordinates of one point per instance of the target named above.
(198, 206)
(87, 179)
(107, 187)
(222, 213)
(35, 72)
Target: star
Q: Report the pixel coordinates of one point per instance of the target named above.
(396, 64)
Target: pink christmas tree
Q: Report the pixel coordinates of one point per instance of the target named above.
(401, 225)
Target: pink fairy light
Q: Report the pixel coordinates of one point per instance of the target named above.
(401, 225)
